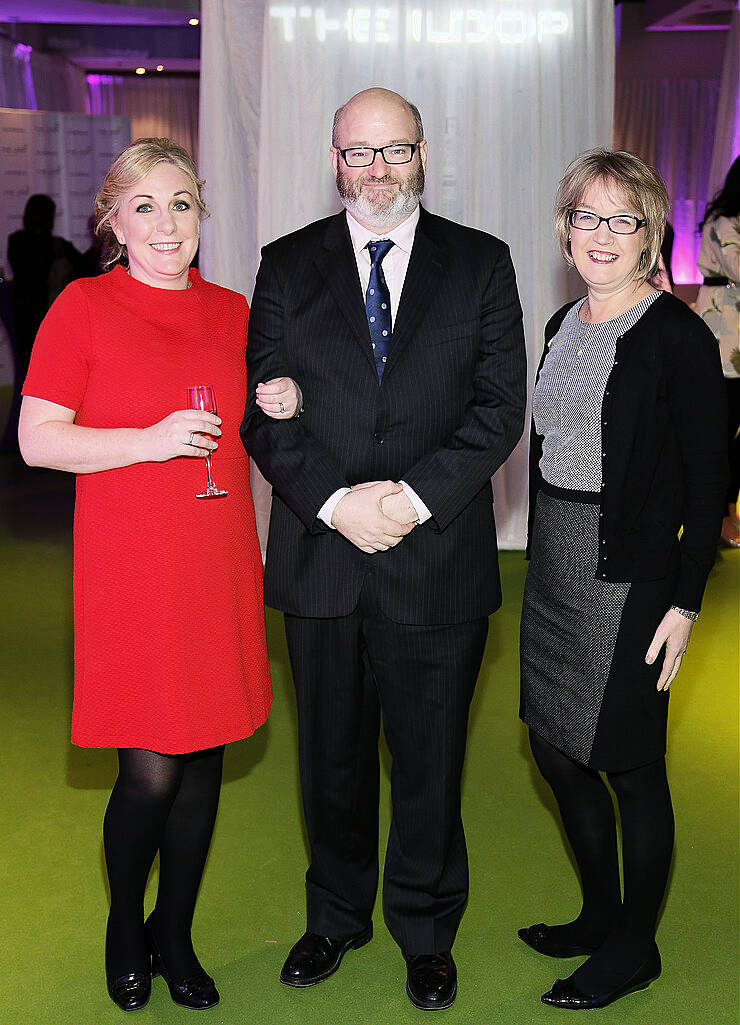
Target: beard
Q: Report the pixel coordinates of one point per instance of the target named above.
(382, 210)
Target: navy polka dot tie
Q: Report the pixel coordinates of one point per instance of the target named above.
(378, 304)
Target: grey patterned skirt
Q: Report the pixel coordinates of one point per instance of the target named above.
(585, 686)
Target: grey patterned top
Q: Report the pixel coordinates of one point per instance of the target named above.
(566, 404)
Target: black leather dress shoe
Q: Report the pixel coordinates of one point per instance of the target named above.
(130, 991)
(198, 991)
(431, 980)
(538, 938)
(566, 995)
(314, 958)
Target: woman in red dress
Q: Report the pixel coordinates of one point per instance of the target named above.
(170, 654)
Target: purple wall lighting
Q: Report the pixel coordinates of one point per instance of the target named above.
(99, 98)
(22, 54)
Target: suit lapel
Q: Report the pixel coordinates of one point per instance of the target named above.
(425, 271)
(338, 267)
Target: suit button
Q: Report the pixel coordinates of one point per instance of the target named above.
(379, 439)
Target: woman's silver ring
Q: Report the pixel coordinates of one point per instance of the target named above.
(282, 407)
(190, 439)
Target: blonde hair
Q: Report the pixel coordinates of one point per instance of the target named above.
(129, 167)
(640, 183)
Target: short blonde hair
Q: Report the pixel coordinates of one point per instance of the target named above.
(129, 167)
(640, 183)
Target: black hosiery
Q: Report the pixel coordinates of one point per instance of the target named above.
(158, 801)
(647, 846)
(182, 858)
(134, 823)
(588, 817)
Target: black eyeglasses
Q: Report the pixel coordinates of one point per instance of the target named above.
(619, 224)
(363, 156)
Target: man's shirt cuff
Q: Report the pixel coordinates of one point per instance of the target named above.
(326, 511)
(422, 512)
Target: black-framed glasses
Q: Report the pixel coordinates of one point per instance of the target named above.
(619, 224)
(363, 156)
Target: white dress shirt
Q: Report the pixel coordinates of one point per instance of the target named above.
(395, 265)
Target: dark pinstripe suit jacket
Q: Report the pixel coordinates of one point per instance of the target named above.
(448, 413)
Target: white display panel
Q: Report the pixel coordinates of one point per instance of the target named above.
(65, 156)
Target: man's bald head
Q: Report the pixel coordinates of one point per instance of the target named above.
(382, 101)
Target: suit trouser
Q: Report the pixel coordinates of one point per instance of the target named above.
(349, 671)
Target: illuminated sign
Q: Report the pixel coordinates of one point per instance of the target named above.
(382, 25)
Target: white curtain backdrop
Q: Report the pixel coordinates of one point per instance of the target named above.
(157, 106)
(670, 123)
(509, 94)
(727, 138)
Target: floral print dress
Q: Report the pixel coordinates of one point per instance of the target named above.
(719, 305)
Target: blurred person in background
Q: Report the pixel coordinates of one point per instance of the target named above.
(43, 264)
(718, 304)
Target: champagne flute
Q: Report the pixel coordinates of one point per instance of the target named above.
(203, 396)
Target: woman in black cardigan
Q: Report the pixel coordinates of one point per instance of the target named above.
(628, 447)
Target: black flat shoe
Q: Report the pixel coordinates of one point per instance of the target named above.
(314, 958)
(197, 991)
(538, 938)
(130, 991)
(431, 980)
(566, 995)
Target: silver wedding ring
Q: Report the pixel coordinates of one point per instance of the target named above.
(190, 440)
(282, 407)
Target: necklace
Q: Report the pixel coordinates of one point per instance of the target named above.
(621, 309)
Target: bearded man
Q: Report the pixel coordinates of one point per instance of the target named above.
(404, 332)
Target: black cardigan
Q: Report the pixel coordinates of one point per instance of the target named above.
(664, 451)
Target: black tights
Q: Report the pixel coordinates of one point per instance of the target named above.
(164, 803)
(623, 930)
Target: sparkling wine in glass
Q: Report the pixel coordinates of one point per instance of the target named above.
(203, 396)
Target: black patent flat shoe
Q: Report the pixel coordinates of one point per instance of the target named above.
(314, 958)
(198, 991)
(538, 938)
(130, 992)
(431, 980)
(567, 996)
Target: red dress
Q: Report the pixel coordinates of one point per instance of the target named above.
(170, 650)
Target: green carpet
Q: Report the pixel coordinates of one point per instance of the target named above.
(251, 905)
